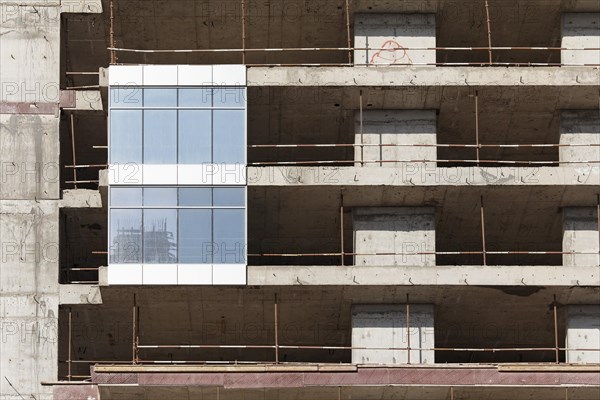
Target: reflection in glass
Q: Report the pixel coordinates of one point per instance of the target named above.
(125, 197)
(195, 197)
(228, 137)
(195, 237)
(195, 142)
(160, 197)
(160, 137)
(160, 236)
(125, 136)
(126, 236)
(229, 236)
(160, 97)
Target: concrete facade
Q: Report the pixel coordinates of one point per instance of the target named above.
(580, 235)
(583, 334)
(403, 231)
(580, 31)
(381, 130)
(579, 128)
(392, 39)
(387, 330)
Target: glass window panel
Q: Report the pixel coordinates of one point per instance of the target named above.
(160, 197)
(126, 97)
(125, 236)
(229, 137)
(229, 236)
(160, 236)
(195, 237)
(229, 97)
(197, 197)
(125, 136)
(125, 197)
(195, 143)
(196, 97)
(229, 197)
(160, 97)
(160, 137)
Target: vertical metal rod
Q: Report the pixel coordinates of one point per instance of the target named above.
(276, 330)
(73, 150)
(489, 32)
(342, 228)
(134, 335)
(598, 215)
(477, 125)
(244, 32)
(113, 54)
(218, 393)
(70, 346)
(362, 133)
(408, 328)
(451, 393)
(348, 32)
(484, 252)
(555, 330)
(339, 393)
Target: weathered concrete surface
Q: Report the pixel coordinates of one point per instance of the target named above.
(580, 128)
(417, 174)
(389, 35)
(76, 392)
(81, 198)
(395, 127)
(580, 234)
(422, 76)
(462, 275)
(583, 332)
(394, 230)
(80, 294)
(381, 326)
(580, 30)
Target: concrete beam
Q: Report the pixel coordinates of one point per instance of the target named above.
(423, 76)
(462, 275)
(81, 198)
(79, 294)
(416, 174)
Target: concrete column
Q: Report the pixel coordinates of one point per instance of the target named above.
(394, 230)
(389, 35)
(579, 127)
(383, 127)
(580, 30)
(580, 234)
(583, 332)
(385, 326)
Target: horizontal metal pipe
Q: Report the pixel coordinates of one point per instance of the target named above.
(267, 163)
(258, 146)
(452, 253)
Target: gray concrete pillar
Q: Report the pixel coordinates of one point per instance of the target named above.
(382, 327)
(391, 39)
(395, 127)
(580, 234)
(579, 127)
(580, 30)
(399, 230)
(583, 332)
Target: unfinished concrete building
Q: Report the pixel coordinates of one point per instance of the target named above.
(300, 199)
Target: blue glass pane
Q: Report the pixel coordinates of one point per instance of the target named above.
(125, 236)
(197, 97)
(195, 142)
(195, 197)
(160, 97)
(160, 236)
(160, 197)
(125, 136)
(126, 97)
(195, 237)
(229, 97)
(229, 137)
(229, 197)
(160, 137)
(229, 236)
(125, 197)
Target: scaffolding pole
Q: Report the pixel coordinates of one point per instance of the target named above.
(349, 34)
(276, 318)
(556, 346)
(489, 32)
(407, 329)
(73, 149)
(483, 252)
(113, 51)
